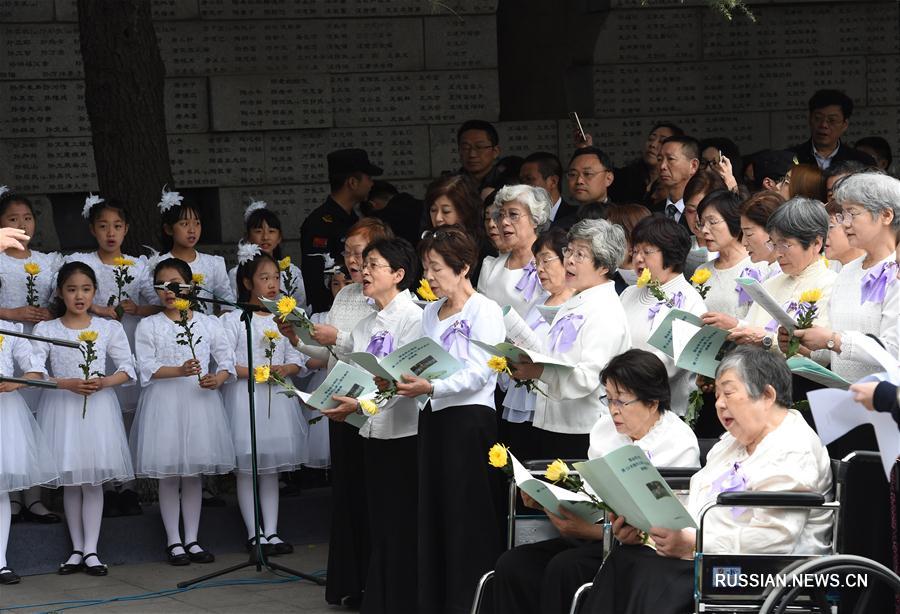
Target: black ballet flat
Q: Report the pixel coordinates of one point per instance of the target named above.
(8, 576)
(280, 548)
(268, 549)
(67, 569)
(94, 570)
(177, 559)
(204, 556)
(48, 518)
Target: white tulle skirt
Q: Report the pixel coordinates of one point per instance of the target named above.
(180, 429)
(92, 450)
(318, 444)
(281, 437)
(26, 458)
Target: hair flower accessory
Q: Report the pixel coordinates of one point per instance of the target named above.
(169, 200)
(247, 252)
(4, 189)
(255, 205)
(90, 201)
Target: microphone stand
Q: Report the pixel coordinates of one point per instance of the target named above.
(36, 383)
(257, 558)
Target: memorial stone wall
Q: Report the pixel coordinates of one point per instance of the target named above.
(258, 92)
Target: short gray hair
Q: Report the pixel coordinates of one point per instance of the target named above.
(536, 199)
(873, 191)
(607, 242)
(758, 368)
(802, 218)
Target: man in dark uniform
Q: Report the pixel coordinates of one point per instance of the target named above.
(350, 179)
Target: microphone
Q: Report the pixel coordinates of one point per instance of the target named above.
(173, 287)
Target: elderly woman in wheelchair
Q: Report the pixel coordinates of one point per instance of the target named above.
(543, 577)
(767, 447)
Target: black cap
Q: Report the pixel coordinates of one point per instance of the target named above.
(348, 161)
(773, 164)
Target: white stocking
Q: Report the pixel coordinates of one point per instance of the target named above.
(170, 510)
(191, 502)
(72, 506)
(5, 521)
(268, 501)
(92, 515)
(245, 502)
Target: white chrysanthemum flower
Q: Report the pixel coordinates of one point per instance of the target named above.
(255, 205)
(247, 252)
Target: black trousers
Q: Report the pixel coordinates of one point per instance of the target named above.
(460, 497)
(542, 578)
(392, 498)
(636, 580)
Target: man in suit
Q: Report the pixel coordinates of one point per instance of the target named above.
(350, 179)
(678, 160)
(544, 170)
(479, 147)
(829, 118)
(589, 176)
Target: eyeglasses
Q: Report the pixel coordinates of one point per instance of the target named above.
(616, 404)
(708, 222)
(780, 247)
(512, 216)
(646, 252)
(847, 217)
(543, 262)
(586, 175)
(374, 265)
(470, 147)
(576, 255)
(831, 120)
(348, 254)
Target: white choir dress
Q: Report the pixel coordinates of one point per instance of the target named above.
(638, 303)
(723, 295)
(181, 429)
(318, 446)
(215, 278)
(281, 434)
(299, 292)
(518, 288)
(26, 458)
(94, 449)
(14, 279)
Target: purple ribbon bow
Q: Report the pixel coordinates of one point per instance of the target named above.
(790, 308)
(675, 302)
(732, 480)
(564, 332)
(381, 344)
(529, 281)
(875, 285)
(460, 328)
(743, 297)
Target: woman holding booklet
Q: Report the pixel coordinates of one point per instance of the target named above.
(543, 577)
(459, 497)
(389, 269)
(768, 447)
(587, 331)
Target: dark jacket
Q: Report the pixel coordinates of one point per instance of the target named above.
(805, 155)
(323, 231)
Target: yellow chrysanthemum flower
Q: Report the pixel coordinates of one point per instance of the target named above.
(286, 306)
(1, 342)
(644, 278)
(497, 363)
(122, 261)
(811, 296)
(271, 335)
(198, 278)
(32, 268)
(284, 264)
(700, 276)
(370, 408)
(182, 304)
(261, 374)
(87, 335)
(425, 291)
(498, 456)
(557, 471)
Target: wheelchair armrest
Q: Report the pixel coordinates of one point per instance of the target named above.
(678, 478)
(780, 499)
(540, 464)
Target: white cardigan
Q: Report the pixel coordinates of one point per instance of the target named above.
(498, 283)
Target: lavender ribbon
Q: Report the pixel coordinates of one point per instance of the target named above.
(875, 285)
(675, 302)
(529, 281)
(564, 332)
(743, 297)
(381, 344)
(460, 328)
(732, 480)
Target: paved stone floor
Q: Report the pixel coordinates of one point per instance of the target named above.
(138, 579)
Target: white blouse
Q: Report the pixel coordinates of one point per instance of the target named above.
(637, 303)
(113, 351)
(13, 350)
(139, 289)
(723, 295)
(518, 404)
(669, 443)
(349, 307)
(156, 346)
(299, 289)
(474, 384)
(854, 319)
(402, 318)
(14, 279)
(788, 288)
(790, 458)
(215, 278)
(497, 282)
(236, 335)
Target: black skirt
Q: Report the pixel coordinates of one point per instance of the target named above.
(460, 499)
(636, 580)
(392, 491)
(348, 546)
(562, 445)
